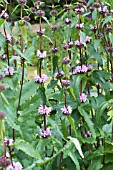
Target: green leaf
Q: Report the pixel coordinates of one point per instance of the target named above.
(96, 164)
(77, 145)
(94, 14)
(74, 159)
(83, 36)
(19, 52)
(106, 20)
(111, 38)
(87, 120)
(96, 44)
(72, 123)
(27, 148)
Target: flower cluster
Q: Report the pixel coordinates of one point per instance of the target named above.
(3, 57)
(66, 110)
(65, 83)
(41, 54)
(15, 166)
(83, 97)
(2, 87)
(59, 74)
(45, 133)
(4, 162)
(44, 110)
(66, 60)
(9, 38)
(22, 2)
(8, 142)
(4, 14)
(80, 26)
(41, 32)
(9, 71)
(68, 45)
(88, 134)
(41, 79)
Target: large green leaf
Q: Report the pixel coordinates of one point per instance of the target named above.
(87, 120)
(27, 148)
(74, 159)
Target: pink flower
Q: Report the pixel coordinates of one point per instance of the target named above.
(79, 43)
(66, 60)
(79, 26)
(45, 133)
(83, 97)
(9, 71)
(16, 166)
(65, 82)
(67, 21)
(90, 67)
(9, 38)
(3, 56)
(8, 142)
(66, 110)
(102, 9)
(41, 79)
(41, 54)
(44, 110)
(88, 39)
(81, 69)
(59, 75)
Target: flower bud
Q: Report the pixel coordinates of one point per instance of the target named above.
(2, 115)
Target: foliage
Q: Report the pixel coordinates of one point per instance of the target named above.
(63, 118)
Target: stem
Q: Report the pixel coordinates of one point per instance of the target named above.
(45, 122)
(10, 152)
(7, 47)
(112, 131)
(80, 56)
(61, 157)
(65, 98)
(22, 80)
(40, 68)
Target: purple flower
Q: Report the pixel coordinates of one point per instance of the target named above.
(44, 110)
(9, 71)
(90, 67)
(79, 43)
(93, 28)
(96, 4)
(66, 60)
(54, 50)
(41, 54)
(70, 44)
(9, 38)
(45, 133)
(40, 13)
(65, 46)
(81, 69)
(80, 26)
(83, 97)
(22, 2)
(88, 39)
(102, 9)
(67, 21)
(4, 14)
(54, 27)
(15, 166)
(53, 13)
(88, 134)
(4, 162)
(41, 79)
(41, 32)
(66, 110)
(59, 75)
(3, 57)
(79, 10)
(65, 83)
(67, 7)
(8, 142)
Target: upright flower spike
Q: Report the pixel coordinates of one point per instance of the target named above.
(44, 110)
(66, 110)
